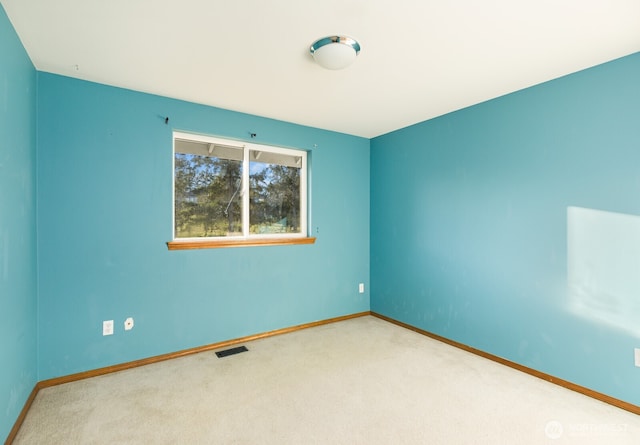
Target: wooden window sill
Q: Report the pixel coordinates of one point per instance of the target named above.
(220, 243)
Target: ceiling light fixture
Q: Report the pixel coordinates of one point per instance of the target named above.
(335, 52)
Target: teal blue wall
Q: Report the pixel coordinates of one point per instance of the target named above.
(105, 203)
(469, 223)
(18, 291)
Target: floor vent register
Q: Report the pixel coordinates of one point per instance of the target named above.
(232, 351)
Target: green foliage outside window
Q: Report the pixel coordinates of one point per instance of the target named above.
(275, 199)
(208, 197)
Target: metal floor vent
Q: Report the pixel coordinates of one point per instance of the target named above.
(231, 351)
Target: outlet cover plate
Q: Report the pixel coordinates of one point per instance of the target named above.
(637, 354)
(107, 327)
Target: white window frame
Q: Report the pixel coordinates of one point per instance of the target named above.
(246, 235)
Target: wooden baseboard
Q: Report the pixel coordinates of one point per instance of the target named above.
(635, 409)
(159, 358)
(18, 423)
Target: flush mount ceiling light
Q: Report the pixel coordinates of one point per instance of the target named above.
(335, 52)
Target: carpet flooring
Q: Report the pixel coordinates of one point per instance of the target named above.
(360, 381)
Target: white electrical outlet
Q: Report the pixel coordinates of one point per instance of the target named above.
(107, 327)
(361, 288)
(128, 324)
(637, 355)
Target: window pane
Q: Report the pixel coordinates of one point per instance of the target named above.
(274, 189)
(208, 189)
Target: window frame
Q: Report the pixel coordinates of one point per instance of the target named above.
(247, 238)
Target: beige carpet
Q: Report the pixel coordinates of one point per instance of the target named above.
(362, 381)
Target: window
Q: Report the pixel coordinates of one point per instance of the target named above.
(229, 193)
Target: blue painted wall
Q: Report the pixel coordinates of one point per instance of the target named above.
(105, 203)
(469, 223)
(18, 291)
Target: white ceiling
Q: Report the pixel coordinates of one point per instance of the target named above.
(419, 58)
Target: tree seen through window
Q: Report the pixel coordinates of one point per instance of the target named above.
(209, 192)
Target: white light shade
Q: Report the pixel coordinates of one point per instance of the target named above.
(335, 52)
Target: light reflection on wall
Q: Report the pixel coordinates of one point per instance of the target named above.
(603, 267)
